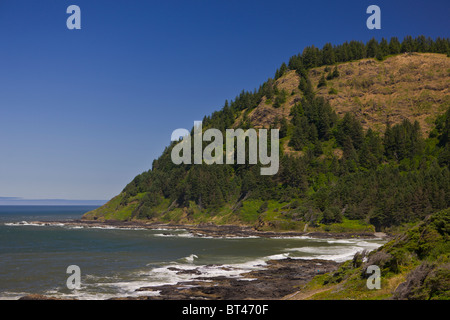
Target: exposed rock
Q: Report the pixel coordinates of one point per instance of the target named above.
(279, 279)
(211, 229)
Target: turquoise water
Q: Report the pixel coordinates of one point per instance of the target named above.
(115, 262)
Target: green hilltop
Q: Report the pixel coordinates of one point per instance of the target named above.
(364, 146)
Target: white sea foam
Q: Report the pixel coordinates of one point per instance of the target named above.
(294, 237)
(168, 229)
(176, 272)
(227, 237)
(115, 228)
(341, 241)
(11, 295)
(190, 258)
(174, 235)
(344, 250)
(105, 291)
(23, 223)
(189, 268)
(69, 226)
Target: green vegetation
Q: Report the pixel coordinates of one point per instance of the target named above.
(280, 99)
(334, 176)
(414, 266)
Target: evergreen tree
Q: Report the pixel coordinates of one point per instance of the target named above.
(300, 134)
(322, 82)
(328, 54)
(384, 48)
(394, 46)
(336, 72)
(372, 48)
(407, 44)
(283, 128)
(350, 127)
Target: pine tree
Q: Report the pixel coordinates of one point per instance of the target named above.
(311, 57)
(302, 84)
(384, 48)
(366, 159)
(283, 69)
(328, 55)
(322, 82)
(283, 127)
(300, 134)
(350, 127)
(335, 72)
(372, 48)
(389, 142)
(394, 46)
(349, 150)
(407, 44)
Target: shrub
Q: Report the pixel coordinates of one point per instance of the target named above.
(322, 82)
(332, 91)
(280, 99)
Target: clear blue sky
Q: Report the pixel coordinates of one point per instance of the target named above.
(83, 111)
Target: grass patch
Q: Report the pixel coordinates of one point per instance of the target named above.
(349, 226)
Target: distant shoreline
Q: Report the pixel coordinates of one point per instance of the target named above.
(50, 202)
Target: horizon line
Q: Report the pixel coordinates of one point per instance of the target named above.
(25, 201)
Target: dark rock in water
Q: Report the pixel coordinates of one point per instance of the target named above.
(277, 280)
(184, 271)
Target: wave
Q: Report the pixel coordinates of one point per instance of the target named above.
(190, 258)
(295, 237)
(68, 226)
(339, 253)
(187, 234)
(25, 223)
(181, 235)
(226, 237)
(193, 267)
(111, 228)
(11, 295)
(183, 270)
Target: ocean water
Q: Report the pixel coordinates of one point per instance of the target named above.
(115, 262)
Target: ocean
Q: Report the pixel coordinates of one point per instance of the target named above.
(115, 262)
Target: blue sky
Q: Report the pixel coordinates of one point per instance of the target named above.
(84, 111)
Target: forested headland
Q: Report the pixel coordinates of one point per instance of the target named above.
(364, 131)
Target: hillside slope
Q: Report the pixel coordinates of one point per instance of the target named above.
(412, 86)
(364, 146)
(414, 266)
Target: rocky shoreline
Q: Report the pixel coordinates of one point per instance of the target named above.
(274, 281)
(213, 230)
(277, 280)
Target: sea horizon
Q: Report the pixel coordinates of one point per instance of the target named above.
(18, 201)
